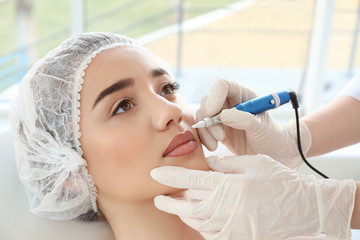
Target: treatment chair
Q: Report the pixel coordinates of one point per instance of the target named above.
(17, 223)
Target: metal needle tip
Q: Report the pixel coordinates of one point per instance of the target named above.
(199, 124)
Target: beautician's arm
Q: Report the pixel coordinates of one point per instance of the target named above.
(355, 220)
(334, 126)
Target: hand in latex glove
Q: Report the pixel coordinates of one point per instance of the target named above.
(244, 133)
(258, 198)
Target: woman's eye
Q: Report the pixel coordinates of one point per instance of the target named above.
(167, 90)
(124, 105)
(170, 89)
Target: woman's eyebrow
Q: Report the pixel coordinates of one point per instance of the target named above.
(157, 72)
(119, 85)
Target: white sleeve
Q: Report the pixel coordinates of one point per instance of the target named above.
(352, 88)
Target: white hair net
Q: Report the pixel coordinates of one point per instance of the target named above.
(45, 122)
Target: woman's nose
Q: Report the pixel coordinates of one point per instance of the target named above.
(166, 113)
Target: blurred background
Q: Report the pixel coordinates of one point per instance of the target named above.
(307, 46)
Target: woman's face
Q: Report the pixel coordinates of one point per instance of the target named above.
(132, 122)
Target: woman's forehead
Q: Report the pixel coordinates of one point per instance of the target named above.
(127, 59)
(123, 52)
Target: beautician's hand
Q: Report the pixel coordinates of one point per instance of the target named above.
(255, 197)
(244, 133)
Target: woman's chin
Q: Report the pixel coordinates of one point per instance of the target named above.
(195, 161)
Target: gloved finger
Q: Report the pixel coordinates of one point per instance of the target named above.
(197, 194)
(206, 138)
(216, 131)
(195, 223)
(224, 89)
(180, 207)
(227, 165)
(239, 119)
(217, 97)
(239, 164)
(179, 177)
(209, 235)
(202, 109)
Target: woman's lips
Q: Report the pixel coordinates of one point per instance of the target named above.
(182, 144)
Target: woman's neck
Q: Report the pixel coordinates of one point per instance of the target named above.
(143, 220)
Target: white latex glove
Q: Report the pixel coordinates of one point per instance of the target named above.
(257, 198)
(244, 133)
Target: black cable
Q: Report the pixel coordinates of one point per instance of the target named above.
(295, 105)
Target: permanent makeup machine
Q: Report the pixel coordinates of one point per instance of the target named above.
(262, 104)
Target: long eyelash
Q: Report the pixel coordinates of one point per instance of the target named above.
(175, 85)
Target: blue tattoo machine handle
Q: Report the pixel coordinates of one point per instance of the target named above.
(254, 106)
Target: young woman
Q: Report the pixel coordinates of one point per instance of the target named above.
(91, 121)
